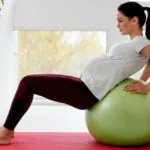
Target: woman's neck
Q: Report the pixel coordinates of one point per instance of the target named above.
(133, 35)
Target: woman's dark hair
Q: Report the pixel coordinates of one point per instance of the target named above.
(132, 9)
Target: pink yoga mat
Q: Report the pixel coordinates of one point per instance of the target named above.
(60, 141)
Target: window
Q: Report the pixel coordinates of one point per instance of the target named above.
(61, 52)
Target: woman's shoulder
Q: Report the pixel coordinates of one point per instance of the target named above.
(140, 39)
(139, 43)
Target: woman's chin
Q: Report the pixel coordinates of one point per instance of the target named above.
(123, 33)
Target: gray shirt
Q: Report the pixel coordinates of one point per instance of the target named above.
(105, 71)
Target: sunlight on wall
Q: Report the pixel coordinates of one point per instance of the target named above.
(61, 52)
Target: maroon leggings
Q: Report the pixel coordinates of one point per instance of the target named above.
(59, 88)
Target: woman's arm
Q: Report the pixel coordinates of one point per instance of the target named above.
(148, 87)
(146, 51)
(146, 72)
(138, 87)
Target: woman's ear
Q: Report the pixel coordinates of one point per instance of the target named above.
(135, 20)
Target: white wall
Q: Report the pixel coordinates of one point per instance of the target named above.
(43, 118)
(6, 64)
(39, 118)
(68, 15)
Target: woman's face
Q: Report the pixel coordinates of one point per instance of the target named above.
(125, 24)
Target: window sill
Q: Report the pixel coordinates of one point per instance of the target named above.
(43, 101)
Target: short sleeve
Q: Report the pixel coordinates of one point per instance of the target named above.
(139, 43)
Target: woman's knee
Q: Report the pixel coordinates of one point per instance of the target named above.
(26, 80)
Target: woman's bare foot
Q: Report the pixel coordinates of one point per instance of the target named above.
(5, 135)
(13, 135)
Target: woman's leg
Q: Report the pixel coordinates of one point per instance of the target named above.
(60, 88)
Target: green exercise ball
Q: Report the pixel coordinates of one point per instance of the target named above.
(120, 118)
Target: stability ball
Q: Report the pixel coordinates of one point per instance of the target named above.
(120, 118)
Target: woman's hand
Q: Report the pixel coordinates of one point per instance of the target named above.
(136, 87)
